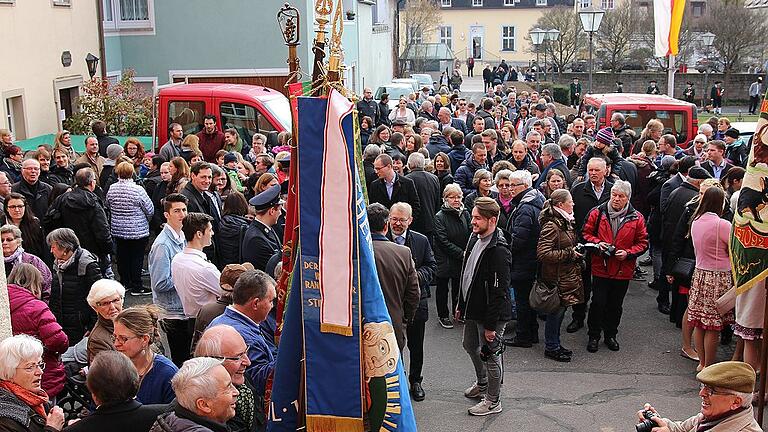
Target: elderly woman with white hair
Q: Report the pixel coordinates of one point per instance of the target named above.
(14, 253)
(76, 270)
(24, 405)
(106, 298)
(619, 231)
(205, 397)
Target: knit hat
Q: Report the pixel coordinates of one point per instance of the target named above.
(230, 274)
(230, 157)
(605, 136)
(733, 133)
(114, 151)
(698, 173)
(731, 375)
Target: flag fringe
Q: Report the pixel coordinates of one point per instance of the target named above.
(324, 423)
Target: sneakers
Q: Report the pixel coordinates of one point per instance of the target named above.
(446, 323)
(475, 391)
(485, 407)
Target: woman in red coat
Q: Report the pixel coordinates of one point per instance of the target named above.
(31, 316)
(619, 231)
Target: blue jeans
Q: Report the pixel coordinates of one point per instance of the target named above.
(552, 329)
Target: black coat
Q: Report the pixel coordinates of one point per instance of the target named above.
(708, 167)
(230, 238)
(69, 290)
(424, 261)
(130, 416)
(523, 229)
(37, 195)
(151, 180)
(487, 300)
(370, 174)
(430, 197)
(16, 416)
(369, 108)
(404, 190)
(667, 188)
(83, 212)
(452, 230)
(674, 211)
(59, 174)
(584, 200)
(259, 244)
(104, 142)
(203, 203)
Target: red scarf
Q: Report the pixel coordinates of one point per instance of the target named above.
(36, 400)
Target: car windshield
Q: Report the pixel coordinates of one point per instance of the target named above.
(280, 109)
(394, 92)
(675, 122)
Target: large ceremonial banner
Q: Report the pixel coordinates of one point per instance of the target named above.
(749, 239)
(338, 365)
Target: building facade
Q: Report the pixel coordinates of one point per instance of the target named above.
(45, 43)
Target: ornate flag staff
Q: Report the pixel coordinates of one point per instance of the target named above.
(323, 11)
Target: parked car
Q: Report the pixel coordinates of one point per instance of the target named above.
(424, 80)
(394, 90)
(413, 83)
(679, 118)
(249, 109)
(746, 129)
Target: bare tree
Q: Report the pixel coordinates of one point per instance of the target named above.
(616, 32)
(738, 40)
(563, 50)
(420, 19)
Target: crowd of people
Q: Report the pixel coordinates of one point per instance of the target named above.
(491, 204)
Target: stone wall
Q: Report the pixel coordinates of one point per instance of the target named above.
(736, 85)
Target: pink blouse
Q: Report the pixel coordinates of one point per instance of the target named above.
(710, 235)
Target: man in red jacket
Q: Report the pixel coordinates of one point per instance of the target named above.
(211, 138)
(619, 231)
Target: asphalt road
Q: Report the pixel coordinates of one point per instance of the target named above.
(594, 392)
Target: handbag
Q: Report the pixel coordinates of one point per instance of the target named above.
(682, 271)
(544, 297)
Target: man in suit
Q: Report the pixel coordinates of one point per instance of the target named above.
(260, 241)
(444, 118)
(429, 192)
(390, 187)
(399, 231)
(196, 191)
(716, 165)
(397, 273)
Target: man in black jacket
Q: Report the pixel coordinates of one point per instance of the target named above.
(99, 129)
(260, 241)
(368, 107)
(429, 191)
(485, 113)
(390, 187)
(35, 191)
(484, 304)
(399, 223)
(588, 194)
(196, 191)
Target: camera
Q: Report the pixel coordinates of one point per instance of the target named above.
(609, 251)
(583, 248)
(647, 425)
(491, 348)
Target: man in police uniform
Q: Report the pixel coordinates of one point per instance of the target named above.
(260, 241)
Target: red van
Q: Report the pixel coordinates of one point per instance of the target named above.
(679, 117)
(249, 109)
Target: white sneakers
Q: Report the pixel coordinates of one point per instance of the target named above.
(485, 407)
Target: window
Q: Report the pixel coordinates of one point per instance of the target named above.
(445, 3)
(414, 35)
(245, 119)
(606, 4)
(583, 4)
(381, 12)
(698, 9)
(509, 2)
(189, 114)
(508, 38)
(62, 3)
(477, 3)
(541, 2)
(128, 15)
(446, 36)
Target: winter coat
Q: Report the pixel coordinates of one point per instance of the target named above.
(626, 135)
(32, 317)
(642, 185)
(741, 421)
(11, 168)
(555, 252)
(17, 416)
(437, 144)
(487, 300)
(452, 230)
(469, 200)
(527, 164)
(458, 155)
(230, 237)
(83, 212)
(674, 211)
(183, 420)
(36, 195)
(466, 173)
(522, 231)
(100, 338)
(430, 198)
(128, 416)
(445, 178)
(68, 295)
(424, 262)
(584, 200)
(61, 175)
(131, 209)
(737, 152)
(631, 237)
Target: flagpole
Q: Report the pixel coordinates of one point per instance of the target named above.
(671, 77)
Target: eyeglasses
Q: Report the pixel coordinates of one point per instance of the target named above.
(516, 184)
(504, 186)
(398, 220)
(16, 207)
(32, 368)
(709, 391)
(109, 302)
(235, 358)
(123, 339)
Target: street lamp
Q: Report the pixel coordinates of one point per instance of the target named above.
(551, 35)
(289, 20)
(591, 17)
(707, 39)
(537, 37)
(92, 62)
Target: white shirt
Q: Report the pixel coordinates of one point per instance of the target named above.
(196, 280)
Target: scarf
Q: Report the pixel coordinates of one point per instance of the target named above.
(15, 257)
(568, 216)
(36, 400)
(92, 159)
(615, 217)
(13, 164)
(709, 424)
(60, 266)
(507, 204)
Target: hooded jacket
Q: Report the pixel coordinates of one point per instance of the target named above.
(466, 173)
(83, 212)
(457, 155)
(437, 144)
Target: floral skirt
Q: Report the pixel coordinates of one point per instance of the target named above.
(747, 333)
(706, 287)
